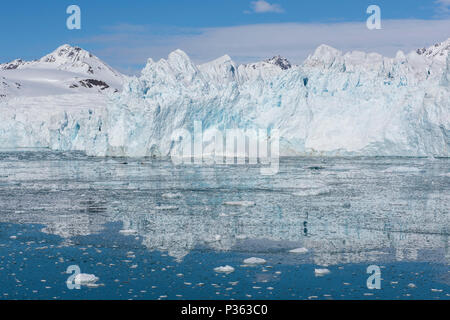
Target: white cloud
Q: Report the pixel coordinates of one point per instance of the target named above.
(250, 43)
(262, 6)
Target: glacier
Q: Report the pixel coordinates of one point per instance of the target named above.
(334, 104)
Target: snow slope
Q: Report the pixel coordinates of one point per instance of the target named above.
(66, 70)
(333, 104)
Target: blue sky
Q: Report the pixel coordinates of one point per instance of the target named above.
(126, 33)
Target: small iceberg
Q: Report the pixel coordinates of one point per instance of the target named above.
(85, 279)
(171, 195)
(299, 250)
(240, 203)
(254, 261)
(321, 272)
(225, 269)
(128, 232)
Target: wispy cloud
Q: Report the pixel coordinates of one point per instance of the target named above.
(443, 7)
(262, 6)
(250, 43)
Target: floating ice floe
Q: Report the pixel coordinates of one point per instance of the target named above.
(171, 195)
(299, 250)
(321, 272)
(254, 261)
(224, 269)
(128, 232)
(240, 203)
(86, 279)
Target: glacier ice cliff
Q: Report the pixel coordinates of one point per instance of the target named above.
(334, 104)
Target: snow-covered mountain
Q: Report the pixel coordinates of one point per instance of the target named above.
(333, 104)
(64, 71)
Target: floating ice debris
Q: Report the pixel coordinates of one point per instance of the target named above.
(171, 195)
(240, 203)
(311, 192)
(436, 290)
(299, 250)
(166, 208)
(128, 232)
(321, 272)
(13, 237)
(225, 269)
(85, 279)
(412, 285)
(254, 261)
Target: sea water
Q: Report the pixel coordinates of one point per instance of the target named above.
(148, 229)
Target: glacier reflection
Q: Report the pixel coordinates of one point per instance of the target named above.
(342, 210)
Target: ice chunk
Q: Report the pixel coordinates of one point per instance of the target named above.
(128, 232)
(299, 250)
(254, 261)
(240, 203)
(321, 272)
(224, 269)
(171, 195)
(85, 279)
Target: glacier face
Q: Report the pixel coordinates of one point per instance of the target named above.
(333, 104)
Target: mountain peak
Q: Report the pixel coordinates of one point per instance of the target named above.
(440, 49)
(283, 63)
(66, 53)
